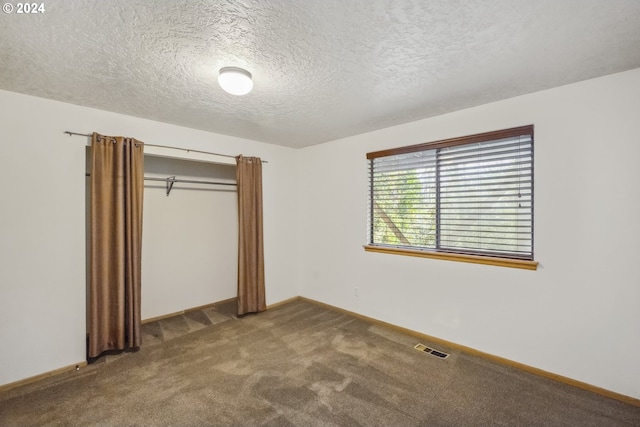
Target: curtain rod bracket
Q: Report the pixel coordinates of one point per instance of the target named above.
(170, 181)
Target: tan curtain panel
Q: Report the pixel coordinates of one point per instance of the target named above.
(117, 185)
(251, 295)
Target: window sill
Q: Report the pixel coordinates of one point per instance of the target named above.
(475, 259)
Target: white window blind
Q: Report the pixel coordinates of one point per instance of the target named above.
(470, 195)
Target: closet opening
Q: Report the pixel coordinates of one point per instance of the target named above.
(189, 236)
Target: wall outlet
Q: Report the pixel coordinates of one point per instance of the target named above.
(356, 291)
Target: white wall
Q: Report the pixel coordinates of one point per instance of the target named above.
(578, 314)
(42, 223)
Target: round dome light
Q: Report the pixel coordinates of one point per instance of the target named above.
(235, 81)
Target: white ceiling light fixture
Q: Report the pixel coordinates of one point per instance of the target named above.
(235, 81)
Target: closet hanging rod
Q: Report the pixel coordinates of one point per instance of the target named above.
(188, 150)
(178, 180)
(188, 181)
(173, 180)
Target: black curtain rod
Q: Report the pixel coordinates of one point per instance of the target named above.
(188, 150)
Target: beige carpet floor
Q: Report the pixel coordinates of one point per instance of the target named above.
(299, 365)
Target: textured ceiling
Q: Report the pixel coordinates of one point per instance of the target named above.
(323, 69)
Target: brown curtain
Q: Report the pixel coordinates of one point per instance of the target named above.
(117, 185)
(251, 296)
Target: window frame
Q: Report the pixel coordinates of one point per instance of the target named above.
(448, 254)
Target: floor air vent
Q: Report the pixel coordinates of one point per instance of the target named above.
(431, 351)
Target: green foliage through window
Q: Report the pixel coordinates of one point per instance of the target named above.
(471, 197)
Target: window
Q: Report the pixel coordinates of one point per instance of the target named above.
(468, 198)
